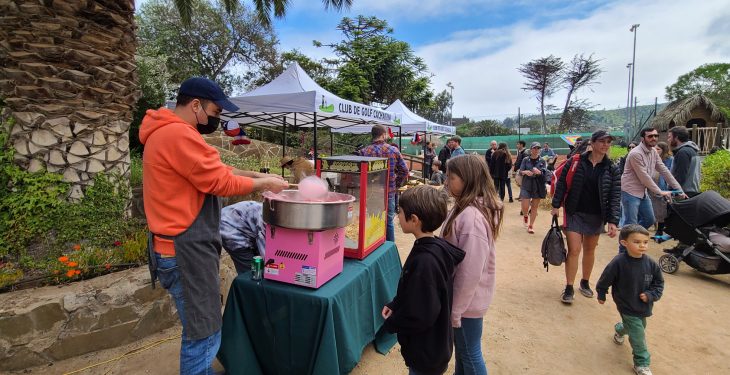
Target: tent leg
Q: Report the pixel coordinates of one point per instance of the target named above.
(283, 142)
(332, 143)
(315, 139)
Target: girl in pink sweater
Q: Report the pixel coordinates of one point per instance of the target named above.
(472, 225)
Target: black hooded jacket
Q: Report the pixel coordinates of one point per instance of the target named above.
(609, 189)
(422, 306)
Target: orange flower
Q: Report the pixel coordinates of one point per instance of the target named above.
(72, 264)
(63, 259)
(107, 266)
(77, 247)
(78, 272)
(70, 273)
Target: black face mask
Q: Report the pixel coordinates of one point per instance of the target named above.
(211, 126)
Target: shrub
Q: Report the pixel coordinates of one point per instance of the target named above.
(617, 152)
(716, 173)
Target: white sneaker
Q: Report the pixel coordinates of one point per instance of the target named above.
(618, 339)
(642, 370)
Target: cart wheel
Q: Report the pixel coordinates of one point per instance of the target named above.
(668, 263)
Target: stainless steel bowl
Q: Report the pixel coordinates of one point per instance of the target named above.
(285, 210)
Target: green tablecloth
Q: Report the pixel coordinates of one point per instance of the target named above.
(276, 328)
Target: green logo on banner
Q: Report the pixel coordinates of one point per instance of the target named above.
(326, 108)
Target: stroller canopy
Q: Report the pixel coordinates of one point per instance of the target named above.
(705, 208)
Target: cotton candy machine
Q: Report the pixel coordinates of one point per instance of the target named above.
(305, 238)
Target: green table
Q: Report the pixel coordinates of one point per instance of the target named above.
(276, 328)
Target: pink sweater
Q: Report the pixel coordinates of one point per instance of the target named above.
(475, 275)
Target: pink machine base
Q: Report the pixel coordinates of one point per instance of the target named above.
(303, 257)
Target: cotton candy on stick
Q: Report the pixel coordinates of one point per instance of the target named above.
(312, 188)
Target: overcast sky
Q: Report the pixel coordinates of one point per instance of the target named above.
(478, 45)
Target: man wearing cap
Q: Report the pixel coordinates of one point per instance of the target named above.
(592, 201)
(183, 178)
(641, 164)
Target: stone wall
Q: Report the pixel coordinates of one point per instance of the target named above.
(68, 77)
(40, 326)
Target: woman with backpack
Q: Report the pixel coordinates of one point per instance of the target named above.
(533, 170)
(590, 192)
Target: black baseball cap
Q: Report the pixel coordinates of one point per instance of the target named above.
(203, 88)
(600, 134)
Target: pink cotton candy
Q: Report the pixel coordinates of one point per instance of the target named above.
(312, 188)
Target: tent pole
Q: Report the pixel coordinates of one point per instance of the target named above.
(315, 138)
(283, 141)
(423, 163)
(400, 137)
(332, 143)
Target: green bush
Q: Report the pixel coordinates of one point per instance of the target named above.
(37, 222)
(135, 171)
(716, 173)
(617, 152)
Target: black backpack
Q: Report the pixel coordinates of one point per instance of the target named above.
(553, 246)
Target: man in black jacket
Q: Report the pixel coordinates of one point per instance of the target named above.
(420, 313)
(686, 166)
(445, 154)
(490, 152)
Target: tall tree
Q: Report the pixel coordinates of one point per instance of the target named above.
(375, 67)
(543, 77)
(226, 47)
(711, 80)
(263, 8)
(581, 73)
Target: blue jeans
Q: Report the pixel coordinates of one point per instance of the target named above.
(389, 226)
(196, 356)
(636, 211)
(468, 348)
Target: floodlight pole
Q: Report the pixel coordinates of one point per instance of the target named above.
(451, 106)
(633, 66)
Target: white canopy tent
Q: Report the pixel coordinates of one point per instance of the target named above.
(294, 99)
(410, 123)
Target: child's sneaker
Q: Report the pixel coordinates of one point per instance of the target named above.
(530, 230)
(567, 296)
(618, 339)
(642, 370)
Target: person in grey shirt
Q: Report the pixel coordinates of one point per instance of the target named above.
(687, 166)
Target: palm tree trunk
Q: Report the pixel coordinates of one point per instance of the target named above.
(70, 83)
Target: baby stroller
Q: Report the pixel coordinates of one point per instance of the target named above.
(698, 223)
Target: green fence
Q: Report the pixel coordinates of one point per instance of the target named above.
(481, 144)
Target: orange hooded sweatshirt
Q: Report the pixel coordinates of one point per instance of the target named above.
(179, 169)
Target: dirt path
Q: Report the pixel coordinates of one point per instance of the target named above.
(527, 330)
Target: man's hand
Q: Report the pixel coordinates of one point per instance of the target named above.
(387, 312)
(601, 301)
(555, 211)
(612, 229)
(683, 196)
(273, 184)
(536, 171)
(527, 173)
(667, 195)
(644, 298)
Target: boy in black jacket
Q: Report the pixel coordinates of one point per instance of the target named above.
(636, 282)
(420, 313)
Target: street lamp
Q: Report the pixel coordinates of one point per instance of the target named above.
(633, 65)
(451, 106)
(627, 126)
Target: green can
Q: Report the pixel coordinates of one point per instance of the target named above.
(257, 268)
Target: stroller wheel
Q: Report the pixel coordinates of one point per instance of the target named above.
(668, 263)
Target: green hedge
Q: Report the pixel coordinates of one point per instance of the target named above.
(716, 173)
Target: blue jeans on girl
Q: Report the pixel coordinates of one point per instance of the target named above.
(468, 348)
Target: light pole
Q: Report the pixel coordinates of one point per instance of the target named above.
(451, 106)
(627, 126)
(633, 65)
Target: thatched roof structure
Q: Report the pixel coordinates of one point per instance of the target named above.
(678, 112)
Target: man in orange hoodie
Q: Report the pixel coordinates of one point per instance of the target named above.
(183, 178)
